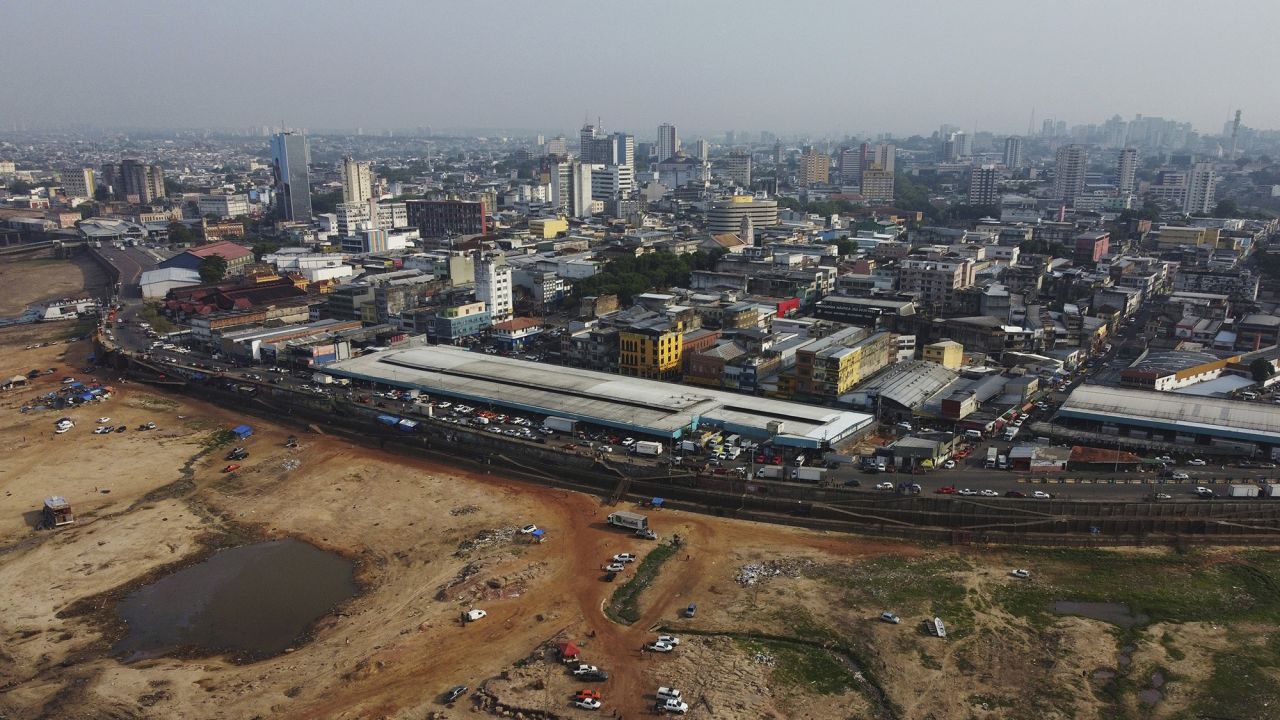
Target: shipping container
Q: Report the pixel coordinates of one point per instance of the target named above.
(645, 447)
(561, 424)
(1244, 491)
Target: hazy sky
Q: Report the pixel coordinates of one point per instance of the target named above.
(904, 66)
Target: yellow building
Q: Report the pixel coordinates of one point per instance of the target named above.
(652, 350)
(547, 228)
(947, 353)
(815, 167)
(1170, 237)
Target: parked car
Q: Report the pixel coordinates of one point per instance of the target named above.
(454, 693)
(949, 465)
(588, 693)
(946, 490)
(668, 639)
(659, 647)
(673, 706)
(104, 420)
(1021, 573)
(624, 558)
(615, 567)
(890, 618)
(966, 491)
(587, 704)
(1015, 494)
(1041, 495)
(691, 610)
(884, 486)
(647, 534)
(474, 614)
(231, 468)
(666, 693)
(528, 529)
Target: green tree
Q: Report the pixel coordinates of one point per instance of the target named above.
(180, 233)
(21, 187)
(326, 202)
(1261, 369)
(213, 268)
(1226, 208)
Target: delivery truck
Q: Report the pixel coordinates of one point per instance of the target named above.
(1244, 491)
(645, 447)
(1273, 490)
(629, 520)
(560, 424)
(809, 474)
(689, 446)
(770, 472)
(321, 378)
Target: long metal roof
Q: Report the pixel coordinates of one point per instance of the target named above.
(1235, 419)
(648, 406)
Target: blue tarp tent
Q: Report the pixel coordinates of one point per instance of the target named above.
(656, 502)
(539, 535)
(242, 431)
(388, 419)
(76, 385)
(407, 425)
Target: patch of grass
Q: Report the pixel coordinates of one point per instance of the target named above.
(158, 322)
(1169, 648)
(1164, 587)
(218, 438)
(1243, 684)
(802, 666)
(624, 606)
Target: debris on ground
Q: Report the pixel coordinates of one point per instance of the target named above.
(291, 464)
(762, 658)
(485, 538)
(752, 573)
(463, 510)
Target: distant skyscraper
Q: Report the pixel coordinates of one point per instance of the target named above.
(134, 181)
(78, 183)
(1201, 188)
(815, 167)
(777, 155)
(588, 151)
(621, 149)
(557, 146)
(738, 168)
(571, 188)
(289, 158)
(357, 181)
(884, 156)
(702, 150)
(1126, 170)
(1013, 152)
(1068, 180)
(849, 165)
(877, 186)
(1046, 128)
(668, 141)
(982, 185)
(964, 145)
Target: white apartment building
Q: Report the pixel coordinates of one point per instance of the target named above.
(223, 206)
(610, 182)
(357, 181)
(493, 287)
(936, 281)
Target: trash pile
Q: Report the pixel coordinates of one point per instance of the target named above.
(485, 538)
(463, 510)
(291, 464)
(763, 658)
(753, 573)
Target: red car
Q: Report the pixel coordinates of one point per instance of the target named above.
(231, 468)
(946, 490)
(759, 459)
(585, 694)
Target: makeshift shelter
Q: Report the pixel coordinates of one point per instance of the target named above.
(539, 535)
(656, 502)
(57, 512)
(568, 651)
(242, 431)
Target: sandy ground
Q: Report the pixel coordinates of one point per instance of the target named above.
(38, 278)
(147, 501)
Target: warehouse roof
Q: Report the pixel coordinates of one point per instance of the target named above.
(650, 406)
(1255, 422)
(909, 384)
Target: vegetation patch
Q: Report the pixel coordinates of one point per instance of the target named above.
(158, 322)
(1163, 587)
(624, 606)
(218, 438)
(803, 666)
(1243, 684)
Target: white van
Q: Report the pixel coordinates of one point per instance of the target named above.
(973, 434)
(666, 693)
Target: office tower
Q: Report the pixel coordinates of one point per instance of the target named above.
(884, 156)
(571, 188)
(738, 168)
(877, 186)
(702, 150)
(493, 287)
(1201, 187)
(612, 182)
(621, 150)
(289, 158)
(777, 155)
(982, 185)
(78, 183)
(815, 167)
(963, 144)
(1126, 170)
(558, 146)
(357, 181)
(444, 218)
(1013, 153)
(668, 141)
(133, 181)
(849, 165)
(1068, 180)
(1046, 128)
(587, 149)
(1060, 128)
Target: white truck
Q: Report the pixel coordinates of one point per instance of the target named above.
(772, 472)
(321, 378)
(689, 446)
(809, 474)
(629, 520)
(1273, 490)
(1244, 491)
(645, 447)
(560, 424)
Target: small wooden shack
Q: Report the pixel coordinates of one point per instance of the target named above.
(57, 512)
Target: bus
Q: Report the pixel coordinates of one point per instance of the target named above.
(993, 456)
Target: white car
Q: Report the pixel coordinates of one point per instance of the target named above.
(474, 614)
(528, 529)
(949, 464)
(666, 693)
(585, 669)
(1163, 496)
(102, 430)
(628, 441)
(61, 430)
(587, 704)
(966, 491)
(1041, 495)
(890, 618)
(1020, 573)
(624, 558)
(1197, 462)
(884, 486)
(988, 493)
(615, 567)
(444, 405)
(1180, 476)
(659, 647)
(673, 706)
(104, 420)
(668, 639)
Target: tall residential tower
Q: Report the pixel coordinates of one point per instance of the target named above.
(289, 158)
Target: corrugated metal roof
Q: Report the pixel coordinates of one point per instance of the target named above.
(1257, 422)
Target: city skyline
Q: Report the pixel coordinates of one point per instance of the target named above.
(987, 67)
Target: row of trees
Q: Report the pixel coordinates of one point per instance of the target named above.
(628, 277)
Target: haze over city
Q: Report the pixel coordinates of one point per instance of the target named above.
(813, 68)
